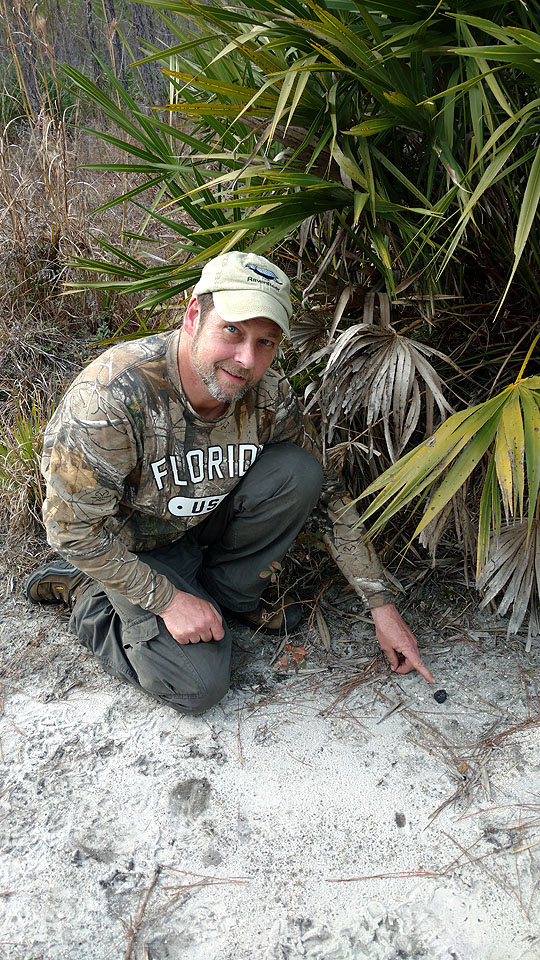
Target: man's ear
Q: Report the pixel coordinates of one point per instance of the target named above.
(191, 316)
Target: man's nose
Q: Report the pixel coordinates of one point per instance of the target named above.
(245, 354)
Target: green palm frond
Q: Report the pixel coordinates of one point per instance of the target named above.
(418, 116)
(505, 428)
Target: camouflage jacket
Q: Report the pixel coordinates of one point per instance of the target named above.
(130, 466)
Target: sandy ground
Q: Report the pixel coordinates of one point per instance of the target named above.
(331, 814)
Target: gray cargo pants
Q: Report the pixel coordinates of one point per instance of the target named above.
(220, 560)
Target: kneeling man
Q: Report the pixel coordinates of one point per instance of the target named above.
(178, 468)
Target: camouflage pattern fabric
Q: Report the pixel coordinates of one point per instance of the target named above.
(130, 466)
(357, 560)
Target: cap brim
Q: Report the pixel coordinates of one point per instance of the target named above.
(234, 306)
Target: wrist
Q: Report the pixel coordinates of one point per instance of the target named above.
(380, 611)
(168, 603)
(382, 598)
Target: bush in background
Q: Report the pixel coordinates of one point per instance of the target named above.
(388, 154)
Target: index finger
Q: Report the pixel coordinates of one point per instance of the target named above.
(418, 664)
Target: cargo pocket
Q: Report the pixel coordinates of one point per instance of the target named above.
(140, 630)
(138, 625)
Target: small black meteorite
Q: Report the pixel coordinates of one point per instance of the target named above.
(440, 696)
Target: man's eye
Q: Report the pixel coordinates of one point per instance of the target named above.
(268, 343)
(231, 328)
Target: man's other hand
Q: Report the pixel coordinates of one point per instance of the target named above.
(191, 619)
(397, 642)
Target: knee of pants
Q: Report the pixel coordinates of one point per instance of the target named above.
(193, 704)
(296, 467)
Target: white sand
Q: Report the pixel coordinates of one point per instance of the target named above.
(252, 819)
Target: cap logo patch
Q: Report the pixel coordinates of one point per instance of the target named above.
(261, 272)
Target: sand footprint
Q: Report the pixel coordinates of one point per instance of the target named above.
(189, 799)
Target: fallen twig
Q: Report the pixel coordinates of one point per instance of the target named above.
(224, 742)
(239, 738)
(133, 931)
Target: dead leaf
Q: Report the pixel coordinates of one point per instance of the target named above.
(323, 630)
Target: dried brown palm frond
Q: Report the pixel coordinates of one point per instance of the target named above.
(341, 453)
(309, 333)
(374, 367)
(513, 569)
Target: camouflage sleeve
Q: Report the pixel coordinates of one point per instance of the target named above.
(89, 449)
(336, 513)
(355, 557)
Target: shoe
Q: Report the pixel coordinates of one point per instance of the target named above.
(272, 623)
(56, 582)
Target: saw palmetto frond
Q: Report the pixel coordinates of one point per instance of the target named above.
(308, 333)
(455, 518)
(513, 570)
(506, 429)
(375, 368)
(399, 124)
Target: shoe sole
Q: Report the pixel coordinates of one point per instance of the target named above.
(49, 570)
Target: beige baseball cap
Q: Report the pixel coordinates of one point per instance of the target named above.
(245, 285)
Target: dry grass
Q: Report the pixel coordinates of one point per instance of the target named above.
(46, 335)
(46, 202)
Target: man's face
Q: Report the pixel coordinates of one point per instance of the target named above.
(231, 357)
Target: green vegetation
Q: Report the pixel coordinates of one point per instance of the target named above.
(388, 155)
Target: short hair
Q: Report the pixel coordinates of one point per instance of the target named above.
(206, 304)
